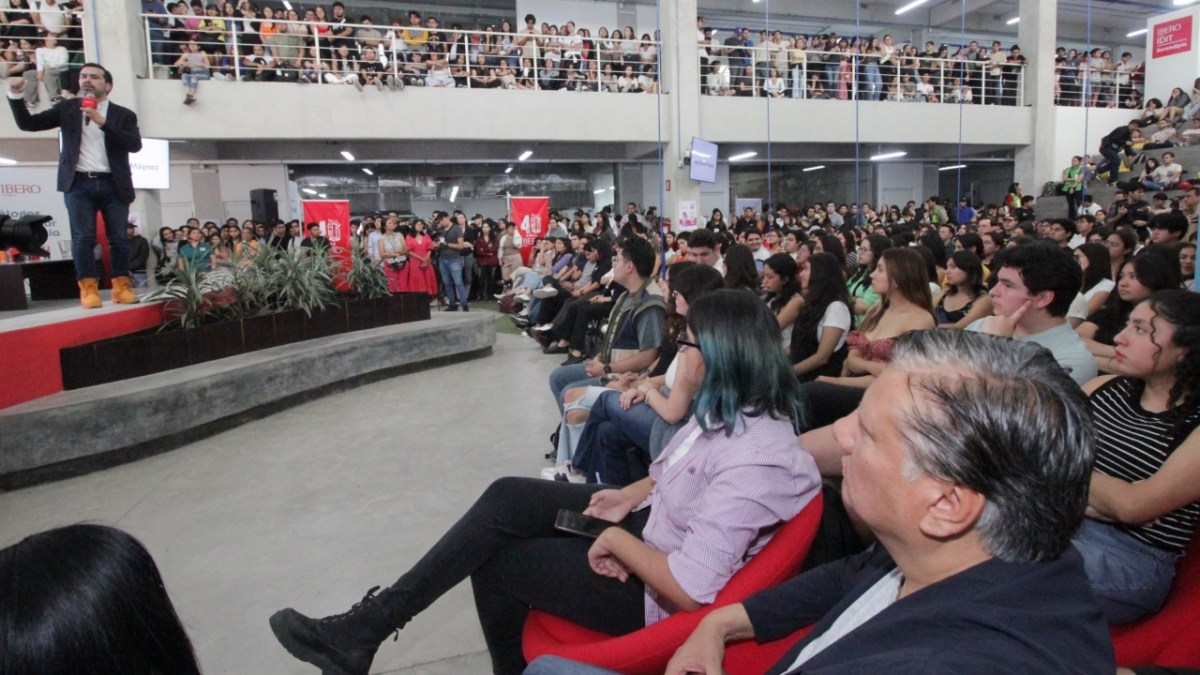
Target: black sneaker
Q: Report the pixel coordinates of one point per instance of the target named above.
(466, 308)
(452, 308)
(344, 644)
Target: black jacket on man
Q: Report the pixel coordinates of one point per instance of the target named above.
(121, 137)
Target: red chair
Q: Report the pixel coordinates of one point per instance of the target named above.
(1172, 636)
(647, 651)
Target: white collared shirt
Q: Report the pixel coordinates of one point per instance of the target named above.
(92, 155)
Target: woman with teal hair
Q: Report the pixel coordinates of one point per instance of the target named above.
(714, 498)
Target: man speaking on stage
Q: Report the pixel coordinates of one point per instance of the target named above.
(93, 173)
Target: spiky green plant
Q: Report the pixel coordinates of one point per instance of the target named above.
(303, 282)
(365, 275)
(191, 297)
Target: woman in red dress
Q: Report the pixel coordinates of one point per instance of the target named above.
(418, 276)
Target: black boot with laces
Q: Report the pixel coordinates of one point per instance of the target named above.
(342, 644)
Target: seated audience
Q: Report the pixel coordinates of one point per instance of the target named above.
(973, 571)
(1149, 271)
(818, 341)
(902, 283)
(1144, 498)
(1034, 289)
(965, 299)
(716, 495)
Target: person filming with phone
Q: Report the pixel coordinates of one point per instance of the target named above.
(713, 499)
(93, 173)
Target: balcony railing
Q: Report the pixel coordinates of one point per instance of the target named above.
(1098, 88)
(261, 49)
(45, 47)
(809, 74)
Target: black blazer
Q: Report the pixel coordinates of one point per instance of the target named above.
(996, 617)
(121, 137)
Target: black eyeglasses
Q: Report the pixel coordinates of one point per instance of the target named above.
(681, 342)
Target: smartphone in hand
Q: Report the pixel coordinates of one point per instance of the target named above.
(577, 523)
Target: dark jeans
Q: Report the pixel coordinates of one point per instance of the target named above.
(83, 200)
(1113, 155)
(608, 439)
(506, 543)
(578, 330)
(451, 268)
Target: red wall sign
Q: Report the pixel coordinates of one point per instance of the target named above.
(532, 216)
(1172, 37)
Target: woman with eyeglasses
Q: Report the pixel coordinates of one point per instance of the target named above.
(713, 499)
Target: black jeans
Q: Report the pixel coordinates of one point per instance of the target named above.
(506, 543)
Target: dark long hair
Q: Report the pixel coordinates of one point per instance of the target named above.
(1156, 270)
(88, 599)
(970, 263)
(831, 244)
(1180, 309)
(826, 285)
(1099, 266)
(907, 275)
(785, 266)
(740, 270)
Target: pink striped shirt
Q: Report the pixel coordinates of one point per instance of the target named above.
(716, 507)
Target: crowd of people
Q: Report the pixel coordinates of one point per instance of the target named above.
(42, 42)
(221, 40)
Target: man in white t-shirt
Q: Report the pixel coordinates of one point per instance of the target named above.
(973, 570)
(1167, 175)
(51, 17)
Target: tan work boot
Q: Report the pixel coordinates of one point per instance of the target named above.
(122, 293)
(89, 294)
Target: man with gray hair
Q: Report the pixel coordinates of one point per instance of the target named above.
(969, 460)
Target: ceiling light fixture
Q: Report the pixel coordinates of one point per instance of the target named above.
(814, 168)
(287, 5)
(744, 155)
(323, 196)
(1140, 31)
(349, 157)
(453, 194)
(1015, 19)
(368, 171)
(599, 191)
(952, 168)
(888, 155)
(309, 191)
(525, 155)
(4, 161)
(508, 170)
(912, 5)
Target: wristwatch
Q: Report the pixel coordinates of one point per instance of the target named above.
(607, 369)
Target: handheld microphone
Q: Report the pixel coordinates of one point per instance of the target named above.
(88, 103)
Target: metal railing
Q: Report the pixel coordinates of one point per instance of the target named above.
(45, 47)
(1080, 85)
(274, 49)
(780, 72)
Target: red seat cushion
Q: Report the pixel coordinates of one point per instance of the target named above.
(1172, 636)
(648, 650)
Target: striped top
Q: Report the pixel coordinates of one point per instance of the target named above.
(1133, 444)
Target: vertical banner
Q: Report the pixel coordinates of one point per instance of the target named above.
(334, 219)
(532, 216)
(687, 216)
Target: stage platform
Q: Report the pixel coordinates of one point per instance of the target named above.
(30, 341)
(74, 432)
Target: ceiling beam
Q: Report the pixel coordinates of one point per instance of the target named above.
(952, 11)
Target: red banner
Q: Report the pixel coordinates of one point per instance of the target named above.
(1172, 37)
(532, 216)
(334, 219)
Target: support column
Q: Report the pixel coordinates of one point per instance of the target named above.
(1037, 34)
(680, 62)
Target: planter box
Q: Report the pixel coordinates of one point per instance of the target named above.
(150, 351)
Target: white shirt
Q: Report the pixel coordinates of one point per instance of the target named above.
(837, 315)
(92, 155)
(51, 58)
(52, 17)
(877, 598)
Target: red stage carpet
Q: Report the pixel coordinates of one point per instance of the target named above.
(29, 344)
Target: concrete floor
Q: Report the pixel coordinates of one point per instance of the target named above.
(312, 506)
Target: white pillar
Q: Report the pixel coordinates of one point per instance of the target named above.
(1037, 32)
(680, 63)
